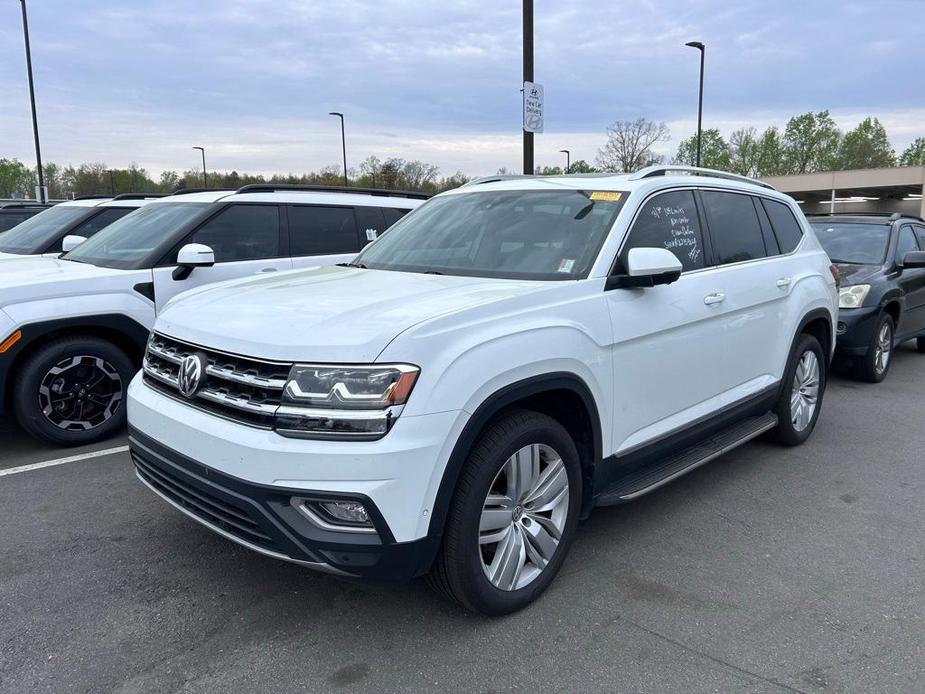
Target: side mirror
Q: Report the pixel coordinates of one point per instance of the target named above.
(191, 256)
(71, 242)
(647, 267)
(913, 259)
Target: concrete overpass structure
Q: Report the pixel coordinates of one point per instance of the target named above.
(862, 190)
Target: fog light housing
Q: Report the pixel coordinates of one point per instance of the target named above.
(340, 515)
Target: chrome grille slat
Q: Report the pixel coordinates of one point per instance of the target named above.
(238, 388)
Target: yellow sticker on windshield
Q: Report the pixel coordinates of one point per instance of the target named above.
(608, 195)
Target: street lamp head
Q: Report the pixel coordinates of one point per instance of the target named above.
(335, 113)
(565, 151)
(695, 44)
(202, 149)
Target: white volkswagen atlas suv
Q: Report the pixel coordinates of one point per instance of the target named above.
(73, 329)
(508, 356)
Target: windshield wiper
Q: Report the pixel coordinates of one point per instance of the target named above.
(359, 265)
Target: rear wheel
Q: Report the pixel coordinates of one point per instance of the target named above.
(513, 517)
(873, 366)
(72, 391)
(801, 395)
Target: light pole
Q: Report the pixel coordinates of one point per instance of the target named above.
(703, 49)
(202, 150)
(343, 142)
(35, 121)
(528, 77)
(112, 183)
(568, 160)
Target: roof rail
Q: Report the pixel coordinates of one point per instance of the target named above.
(494, 179)
(138, 196)
(187, 191)
(666, 169)
(274, 187)
(890, 216)
(93, 197)
(19, 205)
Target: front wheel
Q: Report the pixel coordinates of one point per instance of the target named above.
(72, 391)
(801, 394)
(513, 517)
(874, 365)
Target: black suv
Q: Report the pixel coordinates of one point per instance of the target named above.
(881, 302)
(12, 213)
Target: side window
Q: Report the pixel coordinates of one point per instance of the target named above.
(322, 230)
(670, 221)
(767, 231)
(101, 221)
(392, 215)
(370, 222)
(241, 232)
(920, 233)
(906, 243)
(786, 228)
(734, 228)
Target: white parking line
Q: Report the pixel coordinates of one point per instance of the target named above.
(62, 461)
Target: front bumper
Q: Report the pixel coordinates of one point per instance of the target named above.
(240, 481)
(855, 330)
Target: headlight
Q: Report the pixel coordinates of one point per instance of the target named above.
(853, 296)
(328, 401)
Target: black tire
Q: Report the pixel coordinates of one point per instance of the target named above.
(920, 344)
(100, 409)
(786, 431)
(868, 368)
(458, 570)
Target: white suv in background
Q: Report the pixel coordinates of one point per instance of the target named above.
(67, 224)
(513, 354)
(73, 330)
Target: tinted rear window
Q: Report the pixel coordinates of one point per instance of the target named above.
(786, 228)
(734, 227)
(322, 231)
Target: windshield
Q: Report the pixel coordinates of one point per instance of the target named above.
(860, 244)
(36, 233)
(125, 242)
(517, 234)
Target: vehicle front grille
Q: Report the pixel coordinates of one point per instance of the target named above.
(226, 515)
(238, 388)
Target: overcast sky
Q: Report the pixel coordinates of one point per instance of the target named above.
(119, 81)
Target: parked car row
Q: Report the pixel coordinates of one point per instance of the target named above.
(449, 398)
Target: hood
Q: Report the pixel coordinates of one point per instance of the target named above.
(14, 256)
(31, 278)
(335, 314)
(856, 274)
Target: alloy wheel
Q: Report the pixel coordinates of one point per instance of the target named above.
(883, 348)
(804, 396)
(523, 517)
(80, 393)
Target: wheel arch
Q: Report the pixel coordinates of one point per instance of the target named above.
(564, 396)
(125, 332)
(820, 324)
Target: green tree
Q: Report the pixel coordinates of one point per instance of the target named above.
(629, 145)
(454, 181)
(811, 143)
(745, 152)
(581, 166)
(714, 153)
(549, 171)
(866, 147)
(914, 154)
(772, 159)
(16, 179)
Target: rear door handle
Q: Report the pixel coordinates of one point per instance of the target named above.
(783, 282)
(268, 269)
(715, 298)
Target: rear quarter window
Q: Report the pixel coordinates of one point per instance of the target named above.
(785, 225)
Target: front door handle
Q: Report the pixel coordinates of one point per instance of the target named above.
(714, 298)
(268, 269)
(783, 282)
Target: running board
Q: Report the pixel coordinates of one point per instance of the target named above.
(646, 479)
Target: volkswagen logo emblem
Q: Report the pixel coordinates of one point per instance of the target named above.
(190, 375)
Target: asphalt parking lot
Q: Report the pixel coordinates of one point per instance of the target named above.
(768, 570)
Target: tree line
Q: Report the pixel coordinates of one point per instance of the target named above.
(18, 180)
(808, 143)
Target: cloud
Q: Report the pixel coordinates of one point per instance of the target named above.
(253, 80)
